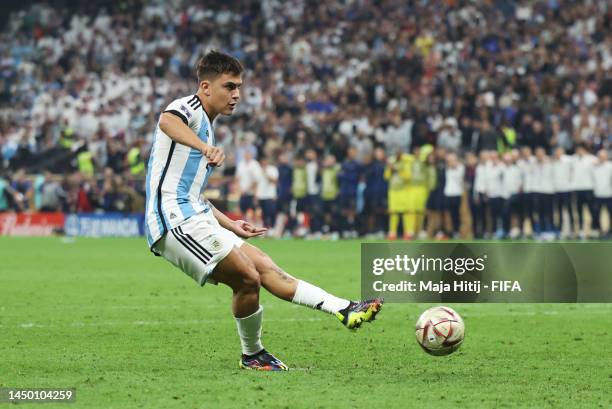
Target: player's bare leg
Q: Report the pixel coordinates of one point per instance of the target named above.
(238, 272)
(272, 277)
(284, 286)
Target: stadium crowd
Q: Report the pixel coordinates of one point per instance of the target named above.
(358, 117)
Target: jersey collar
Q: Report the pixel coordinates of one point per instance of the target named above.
(203, 109)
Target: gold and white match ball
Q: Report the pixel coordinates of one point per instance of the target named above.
(440, 331)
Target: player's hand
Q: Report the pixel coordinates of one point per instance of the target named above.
(215, 155)
(246, 230)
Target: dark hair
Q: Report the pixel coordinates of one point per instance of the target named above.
(213, 64)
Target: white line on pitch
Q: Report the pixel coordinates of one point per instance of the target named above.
(144, 323)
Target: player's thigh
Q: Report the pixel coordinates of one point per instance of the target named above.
(262, 261)
(237, 271)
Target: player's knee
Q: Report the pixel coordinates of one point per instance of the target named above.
(250, 278)
(250, 283)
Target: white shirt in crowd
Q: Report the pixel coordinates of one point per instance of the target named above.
(480, 185)
(527, 167)
(544, 177)
(494, 178)
(266, 182)
(454, 180)
(246, 173)
(582, 172)
(602, 179)
(562, 174)
(312, 186)
(511, 183)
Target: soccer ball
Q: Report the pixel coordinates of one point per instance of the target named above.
(440, 331)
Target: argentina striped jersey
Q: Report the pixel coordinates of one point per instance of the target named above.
(176, 173)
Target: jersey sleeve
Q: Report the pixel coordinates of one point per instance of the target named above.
(183, 110)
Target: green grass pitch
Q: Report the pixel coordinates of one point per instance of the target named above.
(128, 330)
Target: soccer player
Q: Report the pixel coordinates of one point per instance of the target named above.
(453, 190)
(544, 189)
(481, 201)
(349, 177)
(376, 194)
(495, 193)
(526, 164)
(562, 166)
(267, 176)
(299, 190)
(583, 185)
(398, 174)
(329, 196)
(602, 190)
(511, 187)
(246, 173)
(314, 193)
(200, 240)
(284, 195)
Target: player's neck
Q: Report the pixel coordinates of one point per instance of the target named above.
(206, 107)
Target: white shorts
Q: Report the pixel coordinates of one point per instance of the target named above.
(197, 246)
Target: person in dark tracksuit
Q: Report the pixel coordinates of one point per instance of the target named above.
(471, 162)
(376, 194)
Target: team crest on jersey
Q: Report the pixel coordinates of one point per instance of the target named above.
(186, 111)
(216, 245)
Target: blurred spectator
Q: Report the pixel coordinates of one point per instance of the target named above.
(299, 192)
(349, 176)
(544, 190)
(526, 164)
(246, 173)
(398, 174)
(329, 196)
(449, 136)
(512, 184)
(583, 185)
(284, 194)
(53, 196)
(10, 199)
(495, 194)
(471, 162)
(314, 193)
(436, 203)
(562, 167)
(602, 191)
(481, 200)
(376, 193)
(23, 186)
(453, 190)
(266, 191)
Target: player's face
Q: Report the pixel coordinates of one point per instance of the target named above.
(224, 93)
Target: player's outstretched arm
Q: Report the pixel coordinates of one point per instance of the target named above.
(240, 227)
(176, 129)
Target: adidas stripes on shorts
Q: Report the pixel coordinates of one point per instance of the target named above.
(197, 246)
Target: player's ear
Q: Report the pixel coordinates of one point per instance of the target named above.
(205, 87)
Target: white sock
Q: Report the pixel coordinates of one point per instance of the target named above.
(249, 330)
(317, 298)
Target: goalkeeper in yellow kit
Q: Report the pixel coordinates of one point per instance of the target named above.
(410, 181)
(398, 173)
